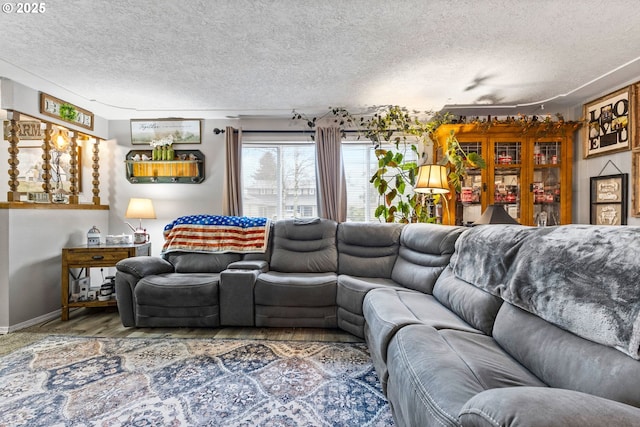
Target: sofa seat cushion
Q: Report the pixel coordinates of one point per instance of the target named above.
(178, 290)
(352, 290)
(386, 311)
(518, 406)
(350, 298)
(433, 373)
(296, 289)
(178, 300)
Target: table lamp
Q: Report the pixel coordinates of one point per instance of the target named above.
(141, 209)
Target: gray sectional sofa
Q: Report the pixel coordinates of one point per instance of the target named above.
(490, 326)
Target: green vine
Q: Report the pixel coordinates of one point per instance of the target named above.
(68, 112)
(460, 161)
(395, 177)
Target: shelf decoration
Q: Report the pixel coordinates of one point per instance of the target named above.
(165, 166)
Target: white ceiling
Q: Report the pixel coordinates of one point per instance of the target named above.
(222, 58)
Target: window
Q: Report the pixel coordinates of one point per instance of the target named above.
(360, 163)
(279, 179)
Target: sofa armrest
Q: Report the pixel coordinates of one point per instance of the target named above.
(548, 407)
(262, 266)
(142, 266)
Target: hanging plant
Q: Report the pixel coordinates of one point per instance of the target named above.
(399, 138)
(459, 161)
(68, 112)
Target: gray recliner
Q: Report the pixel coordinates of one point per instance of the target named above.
(299, 290)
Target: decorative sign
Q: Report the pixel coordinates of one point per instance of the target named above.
(609, 119)
(177, 131)
(609, 199)
(27, 130)
(61, 110)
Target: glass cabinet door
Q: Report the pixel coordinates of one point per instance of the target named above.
(507, 174)
(545, 186)
(470, 202)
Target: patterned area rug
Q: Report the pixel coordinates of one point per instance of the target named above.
(79, 381)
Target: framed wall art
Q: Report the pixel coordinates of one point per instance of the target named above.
(30, 170)
(609, 122)
(609, 199)
(175, 131)
(635, 184)
(635, 116)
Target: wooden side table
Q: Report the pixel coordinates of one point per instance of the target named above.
(94, 256)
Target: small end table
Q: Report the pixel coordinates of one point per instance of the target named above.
(94, 256)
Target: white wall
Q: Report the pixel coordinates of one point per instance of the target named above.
(31, 243)
(584, 169)
(170, 200)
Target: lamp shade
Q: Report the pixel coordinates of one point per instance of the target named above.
(141, 209)
(495, 215)
(432, 179)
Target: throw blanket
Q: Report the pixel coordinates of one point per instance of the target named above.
(216, 234)
(582, 278)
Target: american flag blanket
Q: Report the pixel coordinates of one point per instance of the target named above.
(216, 234)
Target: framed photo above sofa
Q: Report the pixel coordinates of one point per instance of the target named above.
(609, 120)
(609, 199)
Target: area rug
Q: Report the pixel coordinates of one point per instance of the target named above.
(80, 381)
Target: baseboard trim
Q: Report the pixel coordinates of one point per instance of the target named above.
(31, 322)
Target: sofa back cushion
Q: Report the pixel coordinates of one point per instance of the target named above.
(425, 250)
(477, 307)
(564, 360)
(368, 249)
(194, 262)
(304, 246)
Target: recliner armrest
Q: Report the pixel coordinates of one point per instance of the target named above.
(262, 266)
(142, 266)
(548, 407)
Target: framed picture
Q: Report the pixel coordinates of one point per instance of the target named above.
(609, 199)
(634, 122)
(635, 184)
(178, 131)
(30, 171)
(609, 119)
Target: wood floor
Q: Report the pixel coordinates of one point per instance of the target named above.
(100, 322)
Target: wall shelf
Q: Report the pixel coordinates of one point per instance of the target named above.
(186, 168)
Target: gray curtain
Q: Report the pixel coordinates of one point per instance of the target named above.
(232, 189)
(331, 182)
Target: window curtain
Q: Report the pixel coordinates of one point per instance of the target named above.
(331, 182)
(232, 189)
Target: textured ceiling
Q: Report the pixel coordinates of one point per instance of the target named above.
(223, 58)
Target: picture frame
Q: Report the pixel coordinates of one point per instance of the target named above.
(609, 199)
(635, 190)
(635, 116)
(30, 170)
(181, 131)
(609, 123)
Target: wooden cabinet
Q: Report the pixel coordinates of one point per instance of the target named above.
(186, 168)
(86, 257)
(529, 172)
